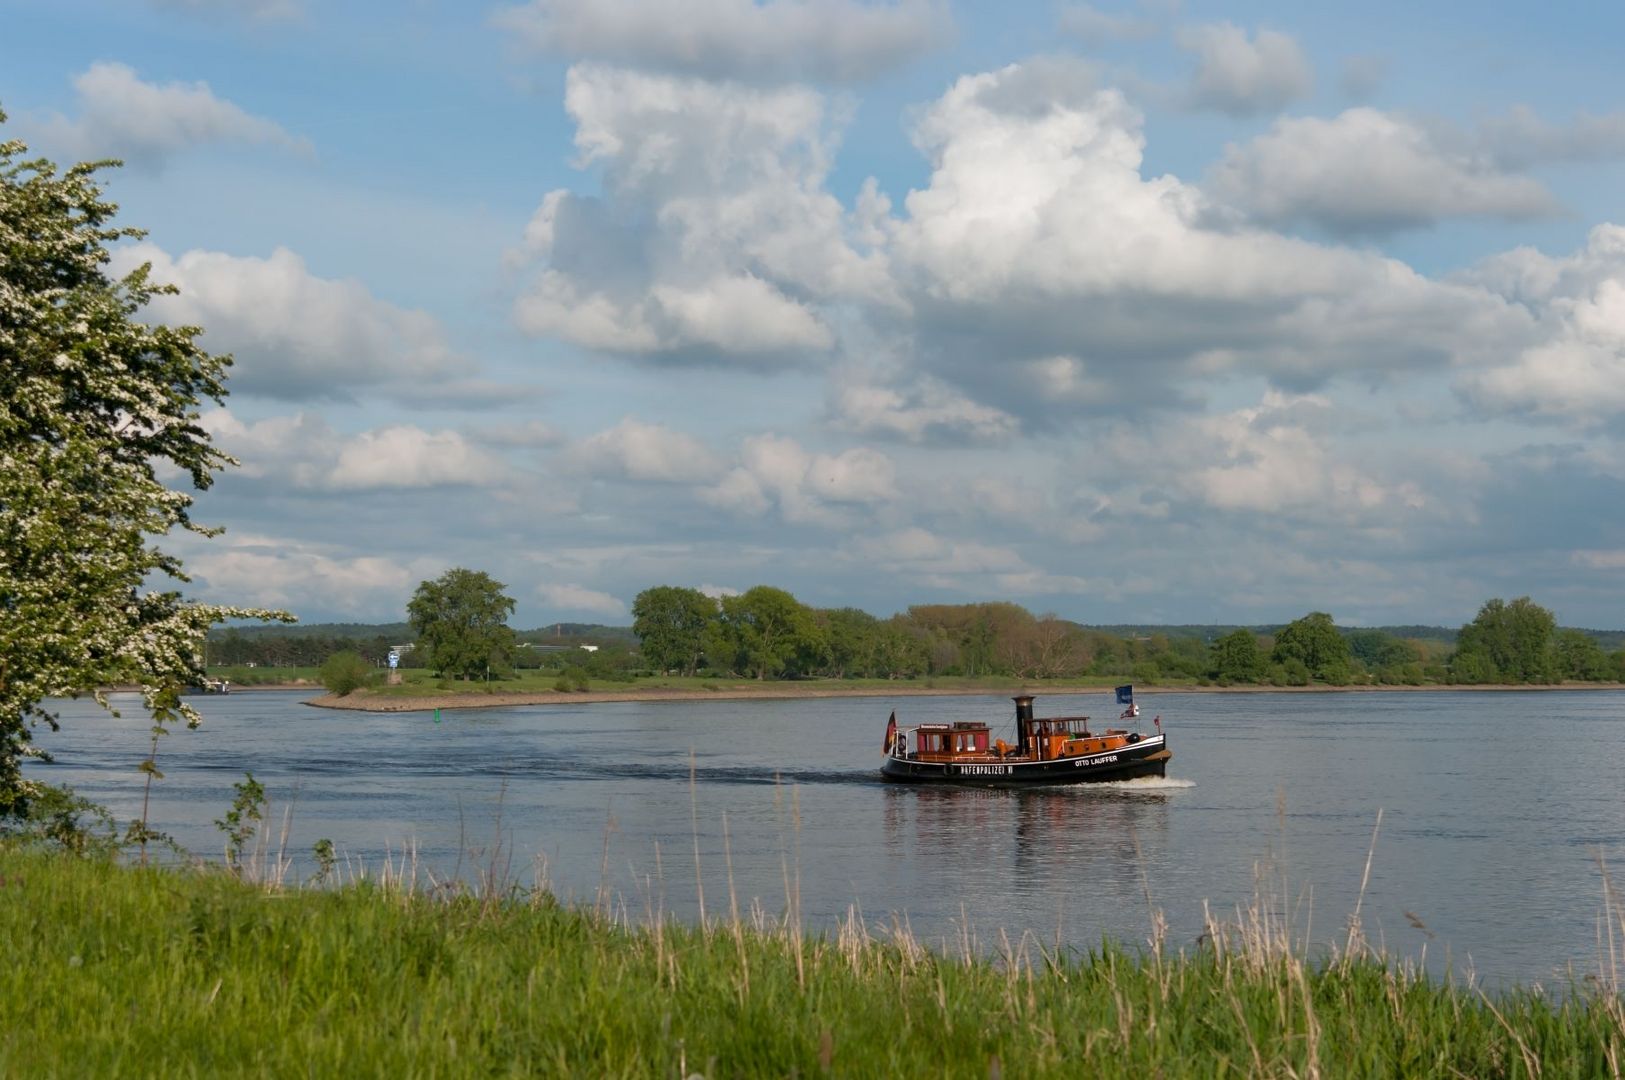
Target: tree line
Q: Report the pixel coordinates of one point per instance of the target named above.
(766, 633)
(458, 623)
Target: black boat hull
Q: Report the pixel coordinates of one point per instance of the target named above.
(1148, 757)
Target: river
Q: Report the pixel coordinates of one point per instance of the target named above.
(1497, 809)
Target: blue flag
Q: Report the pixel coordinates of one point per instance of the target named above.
(1125, 695)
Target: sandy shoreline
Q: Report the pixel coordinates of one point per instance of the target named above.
(368, 703)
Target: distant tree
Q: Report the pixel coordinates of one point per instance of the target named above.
(461, 617)
(1236, 658)
(1061, 652)
(1578, 656)
(1314, 642)
(772, 632)
(344, 673)
(901, 652)
(1377, 650)
(1113, 656)
(1507, 643)
(671, 623)
(1183, 658)
(972, 639)
(99, 408)
(852, 636)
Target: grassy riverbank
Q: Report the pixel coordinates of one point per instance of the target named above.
(121, 971)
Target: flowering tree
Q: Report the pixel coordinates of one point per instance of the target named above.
(96, 408)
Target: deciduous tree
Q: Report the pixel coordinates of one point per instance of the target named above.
(853, 637)
(461, 617)
(1579, 656)
(1236, 657)
(671, 623)
(1314, 641)
(97, 409)
(770, 629)
(1507, 642)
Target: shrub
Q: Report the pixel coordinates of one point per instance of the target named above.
(571, 678)
(1292, 672)
(344, 673)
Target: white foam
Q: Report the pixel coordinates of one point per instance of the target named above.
(1140, 783)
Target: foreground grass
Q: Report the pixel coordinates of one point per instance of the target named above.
(112, 970)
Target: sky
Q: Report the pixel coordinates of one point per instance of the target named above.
(1149, 312)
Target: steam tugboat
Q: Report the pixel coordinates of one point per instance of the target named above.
(1048, 750)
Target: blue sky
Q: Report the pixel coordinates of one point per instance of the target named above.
(1152, 312)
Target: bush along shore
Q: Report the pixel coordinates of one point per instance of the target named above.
(113, 970)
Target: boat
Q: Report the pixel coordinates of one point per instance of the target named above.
(1047, 750)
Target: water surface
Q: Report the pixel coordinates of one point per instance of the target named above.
(1496, 808)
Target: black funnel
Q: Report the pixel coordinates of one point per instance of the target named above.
(1024, 721)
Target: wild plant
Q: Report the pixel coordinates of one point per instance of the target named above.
(240, 822)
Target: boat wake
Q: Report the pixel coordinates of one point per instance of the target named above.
(680, 773)
(1149, 785)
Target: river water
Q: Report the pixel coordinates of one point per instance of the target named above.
(1497, 812)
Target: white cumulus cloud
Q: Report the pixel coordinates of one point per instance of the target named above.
(289, 572)
(641, 451)
(122, 116)
(715, 239)
(294, 335)
(1049, 278)
(1367, 171)
(925, 411)
(1241, 75)
(1574, 369)
(806, 488)
(578, 599)
(303, 452)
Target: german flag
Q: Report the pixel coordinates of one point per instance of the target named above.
(891, 733)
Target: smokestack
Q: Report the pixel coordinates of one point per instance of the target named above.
(1024, 720)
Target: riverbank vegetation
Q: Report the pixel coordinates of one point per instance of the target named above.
(205, 972)
(681, 638)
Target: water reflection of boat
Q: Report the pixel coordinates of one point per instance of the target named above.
(1090, 843)
(1048, 750)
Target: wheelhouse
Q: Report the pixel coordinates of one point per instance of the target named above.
(952, 741)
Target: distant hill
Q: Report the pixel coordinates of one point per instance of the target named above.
(572, 631)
